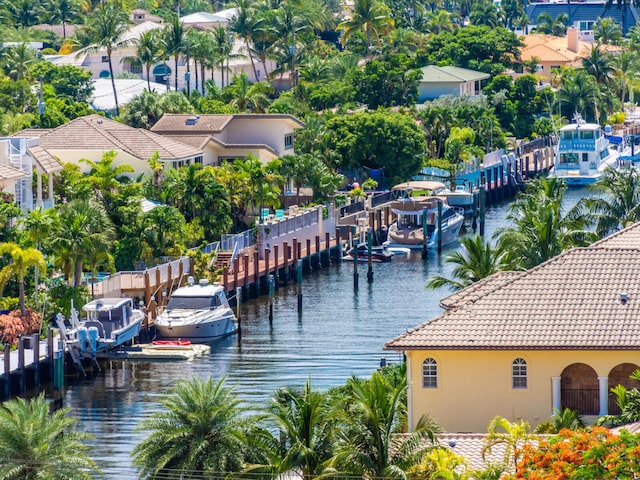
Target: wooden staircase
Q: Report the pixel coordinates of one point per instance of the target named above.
(223, 260)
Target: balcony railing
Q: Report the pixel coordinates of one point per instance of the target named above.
(585, 400)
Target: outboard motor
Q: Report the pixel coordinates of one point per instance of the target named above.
(93, 340)
(82, 339)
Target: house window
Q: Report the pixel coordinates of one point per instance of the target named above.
(135, 68)
(198, 159)
(429, 373)
(105, 59)
(288, 140)
(519, 373)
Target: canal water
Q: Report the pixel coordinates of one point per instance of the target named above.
(339, 334)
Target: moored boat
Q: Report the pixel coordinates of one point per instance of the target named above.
(198, 313)
(423, 220)
(106, 323)
(379, 253)
(584, 152)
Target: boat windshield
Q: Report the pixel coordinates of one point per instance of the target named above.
(193, 303)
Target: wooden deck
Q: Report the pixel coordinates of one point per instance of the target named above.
(252, 269)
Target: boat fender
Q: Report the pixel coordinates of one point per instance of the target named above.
(93, 340)
(82, 339)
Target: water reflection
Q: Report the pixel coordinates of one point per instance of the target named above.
(340, 333)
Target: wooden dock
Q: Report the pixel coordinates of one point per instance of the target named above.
(251, 270)
(33, 364)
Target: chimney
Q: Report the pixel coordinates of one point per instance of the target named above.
(573, 43)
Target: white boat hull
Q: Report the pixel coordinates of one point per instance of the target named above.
(203, 331)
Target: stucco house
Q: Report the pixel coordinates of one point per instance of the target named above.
(520, 344)
(227, 137)
(552, 53)
(438, 81)
(91, 136)
(22, 159)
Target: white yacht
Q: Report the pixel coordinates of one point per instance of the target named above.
(197, 312)
(584, 152)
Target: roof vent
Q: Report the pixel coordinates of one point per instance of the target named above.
(191, 280)
(191, 120)
(624, 297)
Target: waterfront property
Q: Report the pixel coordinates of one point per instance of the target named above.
(521, 344)
(92, 136)
(228, 137)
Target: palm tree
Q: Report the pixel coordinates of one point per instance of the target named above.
(599, 64)
(163, 224)
(199, 431)
(606, 31)
(63, 11)
(222, 52)
(438, 22)
(579, 93)
(83, 227)
(243, 24)
(21, 260)
(616, 203)
(106, 25)
(247, 96)
(303, 431)
(625, 71)
(544, 23)
(369, 446)
(35, 444)
(371, 17)
(484, 12)
(201, 51)
(147, 52)
(512, 435)
(37, 225)
(17, 59)
(476, 261)
(173, 43)
(106, 178)
(441, 463)
(540, 230)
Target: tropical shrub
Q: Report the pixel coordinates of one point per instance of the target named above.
(13, 324)
(595, 453)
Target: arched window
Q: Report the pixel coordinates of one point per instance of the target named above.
(429, 373)
(519, 373)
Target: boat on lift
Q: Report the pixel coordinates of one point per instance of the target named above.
(379, 253)
(423, 218)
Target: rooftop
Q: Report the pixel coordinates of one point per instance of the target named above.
(586, 298)
(94, 132)
(188, 124)
(433, 73)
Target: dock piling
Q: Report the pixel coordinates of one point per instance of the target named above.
(7, 370)
(35, 341)
(272, 288)
(355, 265)
(369, 255)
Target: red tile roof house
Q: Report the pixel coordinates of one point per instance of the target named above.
(521, 344)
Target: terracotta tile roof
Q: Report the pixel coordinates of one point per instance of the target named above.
(47, 162)
(184, 124)
(478, 289)
(202, 124)
(197, 141)
(94, 132)
(627, 238)
(570, 302)
(469, 446)
(10, 173)
(32, 132)
(549, 48)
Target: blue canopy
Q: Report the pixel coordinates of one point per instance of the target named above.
(614, 139)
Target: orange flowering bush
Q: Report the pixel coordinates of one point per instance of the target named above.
(596, 453)
(12, 325)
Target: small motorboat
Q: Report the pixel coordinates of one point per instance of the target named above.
(379, 253)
